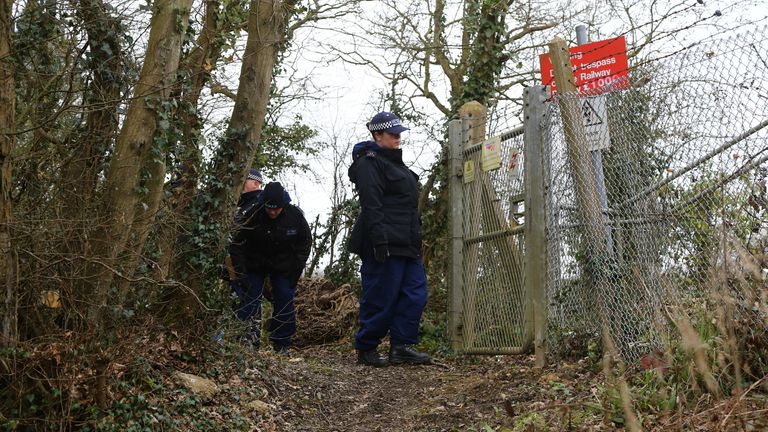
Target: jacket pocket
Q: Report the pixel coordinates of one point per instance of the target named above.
(399, 234)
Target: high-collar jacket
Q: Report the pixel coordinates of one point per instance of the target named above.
(389, 200)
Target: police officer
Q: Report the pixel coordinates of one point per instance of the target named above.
(274, 242)
(387, 236)
(247, 204)
(249, 198)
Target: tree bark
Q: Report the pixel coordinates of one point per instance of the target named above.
(7, 142)
(80, 176)
(266, 33)
(135, 141)
(198, 65)
(84, 150)
(266, 28)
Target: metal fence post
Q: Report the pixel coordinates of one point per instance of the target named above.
(597, 159)
(456, 264)
(535, 222)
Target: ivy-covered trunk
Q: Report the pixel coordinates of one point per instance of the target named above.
(195, 67)
(7, 128)
(474, 78)
(266, 28)
(85, 147)
(102, 95)
(210, 216)
(135, 142)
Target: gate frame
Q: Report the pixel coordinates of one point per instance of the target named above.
(457, 135)
(536, 246)
(535, 242)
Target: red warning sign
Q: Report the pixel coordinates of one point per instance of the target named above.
(598, 67)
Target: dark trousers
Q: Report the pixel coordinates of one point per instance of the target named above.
(282, 324)
(394, 296)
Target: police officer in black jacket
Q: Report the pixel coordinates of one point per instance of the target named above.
(273, 242)
(387, 236)
(247, 204)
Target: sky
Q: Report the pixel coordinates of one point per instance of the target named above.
(343, 98)
(346, 96)
(339, 117)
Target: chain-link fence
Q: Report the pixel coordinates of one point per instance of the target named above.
(657, 212)
(672, 206)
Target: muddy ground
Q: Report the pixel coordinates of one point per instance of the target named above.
(323, 389)
(319, 386)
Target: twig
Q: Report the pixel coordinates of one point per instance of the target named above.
(432, 362)
(755, 384)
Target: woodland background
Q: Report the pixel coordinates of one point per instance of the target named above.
(127, 127)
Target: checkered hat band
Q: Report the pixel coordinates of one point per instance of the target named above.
(384, 126)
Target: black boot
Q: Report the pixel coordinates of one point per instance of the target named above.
(371, 358)
(280, 349)
(405, 354)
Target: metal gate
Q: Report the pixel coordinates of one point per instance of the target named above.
(491, 306)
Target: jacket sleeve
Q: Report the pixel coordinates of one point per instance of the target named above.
(301, 248)
(240, 244)
(370, 186)
(304, 240)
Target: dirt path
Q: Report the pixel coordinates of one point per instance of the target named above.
(321, 388)
(331, 393)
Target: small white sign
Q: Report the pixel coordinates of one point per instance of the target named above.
(491, 154)
(596, 122)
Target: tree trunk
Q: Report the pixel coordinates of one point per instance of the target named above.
(85, 150)
(7, 140)
(136, 139)
(146, 212)
(198, 65)
(266, 28)
(80, 175)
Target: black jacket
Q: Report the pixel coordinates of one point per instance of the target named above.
(389, 201)
(247, 205)
(264, 245)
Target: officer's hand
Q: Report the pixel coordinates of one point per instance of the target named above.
(381, 252)
(296, 275)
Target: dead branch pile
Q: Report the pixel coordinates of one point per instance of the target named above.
(324, 313)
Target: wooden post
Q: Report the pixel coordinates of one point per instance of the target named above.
(475, 114)
(598, 262)
(456, 286)
(575, 138)
(536, 315)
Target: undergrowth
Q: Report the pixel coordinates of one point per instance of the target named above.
(703, 377)
(62, 384)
